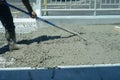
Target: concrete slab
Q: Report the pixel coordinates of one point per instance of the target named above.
(77, 74)
(67, 73)
(41, 74)
(109, 73)
(14, 75)
(23, 25)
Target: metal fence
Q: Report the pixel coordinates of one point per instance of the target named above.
(79, 7)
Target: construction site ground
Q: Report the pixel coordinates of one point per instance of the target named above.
(49, 47)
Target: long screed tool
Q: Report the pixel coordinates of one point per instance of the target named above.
(46, 21)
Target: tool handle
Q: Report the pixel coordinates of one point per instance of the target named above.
(48, 22)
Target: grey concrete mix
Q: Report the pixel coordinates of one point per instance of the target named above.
(48, 47)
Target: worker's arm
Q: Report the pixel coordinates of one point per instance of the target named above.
(29, 8)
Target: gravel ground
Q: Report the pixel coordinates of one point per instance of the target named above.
(49, 47)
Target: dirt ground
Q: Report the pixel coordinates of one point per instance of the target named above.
(49, 47)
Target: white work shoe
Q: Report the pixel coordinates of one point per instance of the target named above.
(13, 46)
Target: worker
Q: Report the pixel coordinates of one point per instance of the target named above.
(6, 19)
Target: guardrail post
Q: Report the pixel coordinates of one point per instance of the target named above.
(39, 7)
(95, 7)
(45, 6)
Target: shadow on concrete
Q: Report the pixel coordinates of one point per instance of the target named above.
(39, 39)
(4, 49)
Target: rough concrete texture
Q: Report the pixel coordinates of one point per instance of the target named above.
(49, 47)
(22, 27)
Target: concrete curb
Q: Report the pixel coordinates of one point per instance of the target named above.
(82, 72)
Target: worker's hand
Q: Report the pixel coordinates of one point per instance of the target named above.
(33, 14)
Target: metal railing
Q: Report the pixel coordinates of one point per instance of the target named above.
(79, 7)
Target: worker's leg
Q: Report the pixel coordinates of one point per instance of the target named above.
(7, 21)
